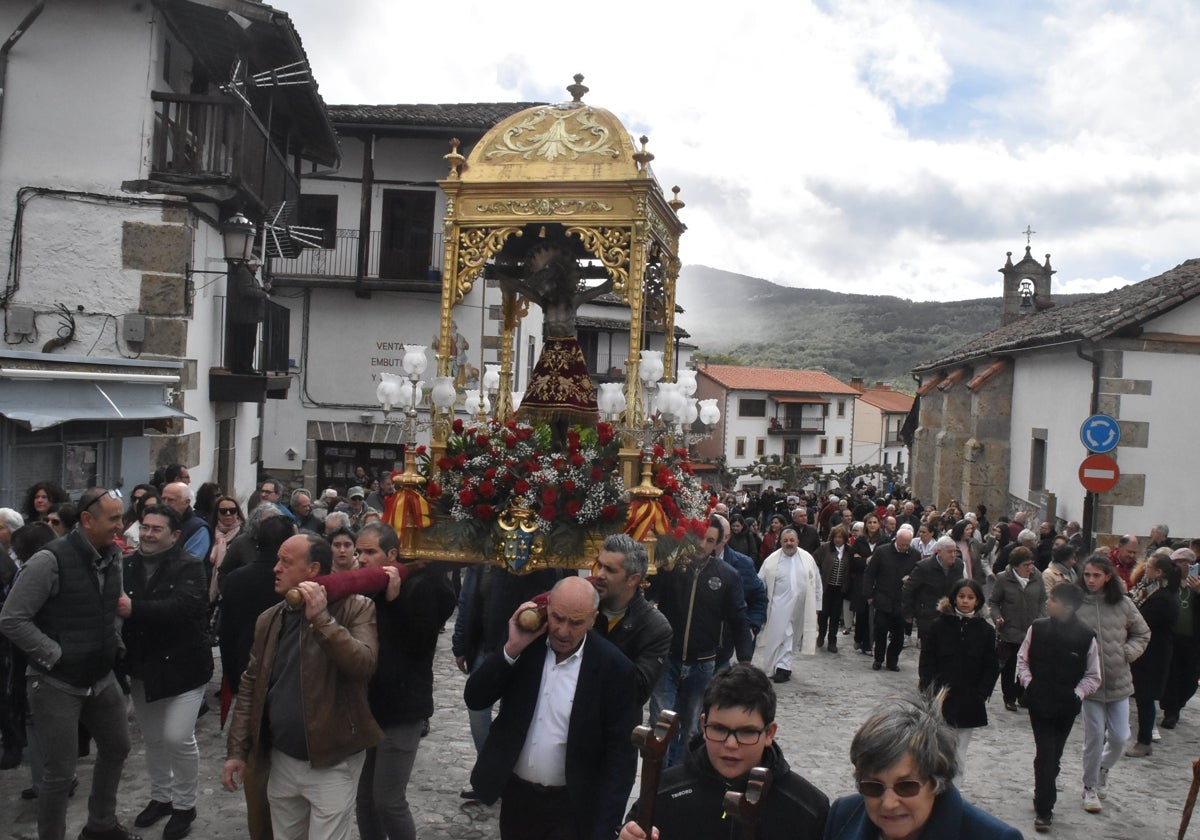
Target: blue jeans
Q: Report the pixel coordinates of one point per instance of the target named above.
(681, 689)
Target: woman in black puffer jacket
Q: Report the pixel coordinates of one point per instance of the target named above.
(959, 653)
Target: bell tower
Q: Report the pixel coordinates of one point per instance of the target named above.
(1026, 284)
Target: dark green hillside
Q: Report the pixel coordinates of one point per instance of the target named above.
(735, 319)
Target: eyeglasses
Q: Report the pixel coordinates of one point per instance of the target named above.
(747, 736)
(112, 494)
(227, 511)
(905, 788)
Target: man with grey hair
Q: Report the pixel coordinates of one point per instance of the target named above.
(301, 506)
(626, 618)
(336, 520)
(1158, 539)
(194, 534)
(929, 582)
(1025, 538)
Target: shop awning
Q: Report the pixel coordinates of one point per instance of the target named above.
(41, 404)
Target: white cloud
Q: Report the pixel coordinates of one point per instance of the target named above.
(883, 147)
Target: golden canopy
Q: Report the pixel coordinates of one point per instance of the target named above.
(574, 167)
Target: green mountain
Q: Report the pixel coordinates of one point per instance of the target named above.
(735, 319)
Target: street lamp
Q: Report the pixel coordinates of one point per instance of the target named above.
(237, 232)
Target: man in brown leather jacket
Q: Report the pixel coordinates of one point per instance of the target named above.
(323, 655)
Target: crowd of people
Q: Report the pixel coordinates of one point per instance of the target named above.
(117, 603)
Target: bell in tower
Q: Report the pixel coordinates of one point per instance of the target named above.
(1026, 284)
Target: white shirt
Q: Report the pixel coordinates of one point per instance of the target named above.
(543, 759)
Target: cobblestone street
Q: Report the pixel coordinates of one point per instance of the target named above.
(818, 712)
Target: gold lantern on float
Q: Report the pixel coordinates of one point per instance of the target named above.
(569, 175)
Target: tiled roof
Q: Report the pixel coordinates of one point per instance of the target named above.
(887, 400)
(776, 380)
(478, 115)
(1099, 317)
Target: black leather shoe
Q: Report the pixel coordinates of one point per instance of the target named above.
(180, 824)
(152, 813)
(781, 675)
(832, 646)
(876, 666)
(893, 667)
(117, 832)
(1169, 721)
(1010, 705)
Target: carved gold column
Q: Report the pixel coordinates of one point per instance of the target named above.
(512, 309)
(634, 410)
(671, 275)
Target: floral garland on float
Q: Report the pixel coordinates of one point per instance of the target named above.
(502, 488)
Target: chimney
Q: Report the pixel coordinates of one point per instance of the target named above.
(857, 384)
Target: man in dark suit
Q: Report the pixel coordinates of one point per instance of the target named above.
(884, 584)
(559, 752)
(810, 541)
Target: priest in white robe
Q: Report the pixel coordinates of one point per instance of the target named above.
(794, 590)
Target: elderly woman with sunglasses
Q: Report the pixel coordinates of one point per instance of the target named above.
(905, 763)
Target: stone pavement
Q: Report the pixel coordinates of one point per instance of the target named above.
(829, 695)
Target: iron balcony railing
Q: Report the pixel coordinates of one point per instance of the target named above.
(413, 260)
(203, 141)
(802, 425)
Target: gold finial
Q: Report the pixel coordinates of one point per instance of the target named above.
(454, 159)
(542, 232)
(675, 204)
(578, 89)
(642, 158)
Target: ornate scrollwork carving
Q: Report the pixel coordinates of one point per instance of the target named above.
(545, 207)
(528, 139)
(475, 247)
(611, 247)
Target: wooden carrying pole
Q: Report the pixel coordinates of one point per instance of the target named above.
(1190, 805)
(652, 743)
(746, 808)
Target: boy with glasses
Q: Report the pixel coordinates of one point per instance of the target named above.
(739, 728)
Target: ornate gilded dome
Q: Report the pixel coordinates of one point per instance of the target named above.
(572, 141)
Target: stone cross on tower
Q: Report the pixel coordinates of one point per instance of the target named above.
(1029, 234)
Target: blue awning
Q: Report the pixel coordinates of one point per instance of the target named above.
(42, 404)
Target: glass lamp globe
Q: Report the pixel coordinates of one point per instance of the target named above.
(443, 395)
(651, 368)
(414, 360)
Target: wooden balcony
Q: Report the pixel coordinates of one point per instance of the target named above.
(388, 258)
(213, 148)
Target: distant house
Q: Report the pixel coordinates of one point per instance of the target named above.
(798, 418)
(878, 418)
(130, 132)
(1000, 417)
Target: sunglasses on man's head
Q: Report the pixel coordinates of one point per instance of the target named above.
(111, 494)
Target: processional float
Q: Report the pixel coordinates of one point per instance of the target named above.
(556, 205)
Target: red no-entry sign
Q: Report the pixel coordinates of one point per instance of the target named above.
(1099, 473)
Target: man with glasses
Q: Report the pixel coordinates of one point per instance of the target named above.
(301, 507)
(62, 613)
(739, 730)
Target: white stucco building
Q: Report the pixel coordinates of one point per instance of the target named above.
(1000, 417)
(879, 416)
(798, 418)
(120, 155)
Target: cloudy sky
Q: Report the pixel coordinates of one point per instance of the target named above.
(884, 146)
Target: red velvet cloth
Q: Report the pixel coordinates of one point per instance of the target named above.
(561, 387)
